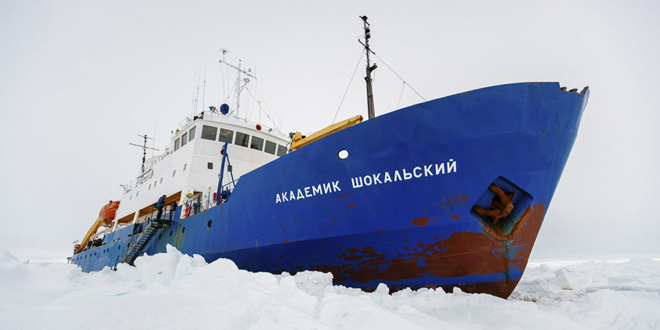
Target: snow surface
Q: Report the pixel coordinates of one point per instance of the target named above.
(176, 291)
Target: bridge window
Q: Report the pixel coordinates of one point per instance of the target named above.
(191, 134)
(257, 143)
(176, 144)
(270, 147)
(281, 150)
(242, 139)
(226, 135)
(184, 139)
(209, 132)
(209, 165)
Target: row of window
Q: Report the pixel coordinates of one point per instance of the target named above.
(243, 140)
(226, 135)
(185, 138)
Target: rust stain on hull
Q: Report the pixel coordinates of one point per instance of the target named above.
(461, 254)
(421, 221)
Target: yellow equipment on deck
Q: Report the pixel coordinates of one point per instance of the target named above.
(298, 141)
(90, 232)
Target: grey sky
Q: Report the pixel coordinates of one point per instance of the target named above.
(80, 79)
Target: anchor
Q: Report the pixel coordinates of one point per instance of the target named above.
(500, 207)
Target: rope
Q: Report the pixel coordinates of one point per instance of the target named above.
(222, 76)
(400, 95)
(399, 76)
(347, 87)
(229, 95)
(262, 108)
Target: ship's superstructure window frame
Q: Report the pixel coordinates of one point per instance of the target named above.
(184, 139)
(257, 143)
(177, 142)
(226, 135)
(281, 150)
(242, 139)
(173, 172)
(185, 165)
(191, 133)
(209, 132)
(209, 165)
(270, 147)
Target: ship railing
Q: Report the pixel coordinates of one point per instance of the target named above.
(129, 186)
(149, 163)
(148, 174)
(138, 181)
(210, 202)
(245, 120)
(183, 123)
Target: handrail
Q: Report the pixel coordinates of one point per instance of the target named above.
(136, 241)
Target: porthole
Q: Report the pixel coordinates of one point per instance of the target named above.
(118, 247)
(170, 233)
(183, 230)
(342, 154)
(159, 235)
(209, 224)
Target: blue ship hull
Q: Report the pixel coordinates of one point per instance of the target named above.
(403, 207)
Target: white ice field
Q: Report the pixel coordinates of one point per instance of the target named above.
(175, 291)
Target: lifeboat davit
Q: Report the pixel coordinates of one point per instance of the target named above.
(108, 212)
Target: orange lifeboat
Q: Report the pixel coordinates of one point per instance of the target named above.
(108, 212)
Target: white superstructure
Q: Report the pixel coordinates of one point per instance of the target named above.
(190, 167)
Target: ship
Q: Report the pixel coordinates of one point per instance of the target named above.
(446, 193)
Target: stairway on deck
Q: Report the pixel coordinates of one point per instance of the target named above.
(137, 248)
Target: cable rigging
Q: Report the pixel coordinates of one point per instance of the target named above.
(347, 87)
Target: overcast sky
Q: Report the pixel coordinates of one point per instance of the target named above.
(79, 80)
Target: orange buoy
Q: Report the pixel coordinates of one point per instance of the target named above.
(108, 212)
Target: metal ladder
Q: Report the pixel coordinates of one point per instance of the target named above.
(145, 237)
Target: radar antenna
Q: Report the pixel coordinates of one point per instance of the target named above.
(370, 68)
(240, 83)
(144, 149)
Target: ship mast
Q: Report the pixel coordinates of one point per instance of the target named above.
(239, 82)
(370, 68)
(144, 150)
